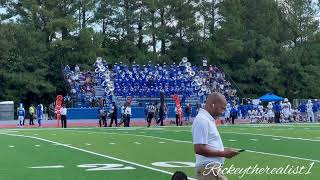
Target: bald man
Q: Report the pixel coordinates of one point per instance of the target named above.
(208, 146)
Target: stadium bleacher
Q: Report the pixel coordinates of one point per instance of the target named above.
(144, 83)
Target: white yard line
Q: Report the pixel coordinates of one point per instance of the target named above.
(163, 129)
(138, 135)
(232, 140)
(47, 167)
(267, 135)
(280, 155)
(94, 153)
(189, 142)
(255, 134)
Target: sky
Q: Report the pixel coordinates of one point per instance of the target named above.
(2, 10)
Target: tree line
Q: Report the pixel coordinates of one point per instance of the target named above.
(263, 45)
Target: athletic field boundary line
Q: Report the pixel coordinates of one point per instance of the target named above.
(189, 142)
(267, 135)
(94, 153)
(255, 134)
(163, 129)
(298, 125)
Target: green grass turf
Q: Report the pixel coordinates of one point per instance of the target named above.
(145, 146)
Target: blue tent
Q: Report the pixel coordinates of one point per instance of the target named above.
(270, 97)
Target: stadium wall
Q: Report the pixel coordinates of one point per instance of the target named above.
(6, 110)
(93, 113)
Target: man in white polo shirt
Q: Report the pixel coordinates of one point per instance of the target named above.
(63, 113)
(208, 146)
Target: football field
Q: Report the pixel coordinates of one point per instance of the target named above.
(139, 153)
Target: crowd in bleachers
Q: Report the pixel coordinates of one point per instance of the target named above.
(148, 81)
(274, 112)
(183, 79)
(81, 84)
(216, 80)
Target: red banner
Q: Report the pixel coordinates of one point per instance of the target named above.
(179, 108)
(58, 108)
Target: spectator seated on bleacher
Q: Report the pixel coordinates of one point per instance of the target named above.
(148, 81)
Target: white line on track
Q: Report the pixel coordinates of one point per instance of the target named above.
(97, 154)
(295, 125)
(137, 143)
(254, 140)
(11, 146)
(37, 145)
(275, 139)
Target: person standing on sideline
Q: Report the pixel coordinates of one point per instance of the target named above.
(114, 114)
(310, 114)
(31, 114)
(156, 112)
(208, 146)
(21, 115)
(234, 113)
(178, 118)
(127, 114)
(151, 112)
(39, 114)
(188, 114)
(63, 113)
(123, 117)
(277, 112)
(51, 111)
(103, 117)
(162, 114)
(177, 115)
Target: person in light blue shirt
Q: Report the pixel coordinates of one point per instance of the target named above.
(21, 115)
(39, 114)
